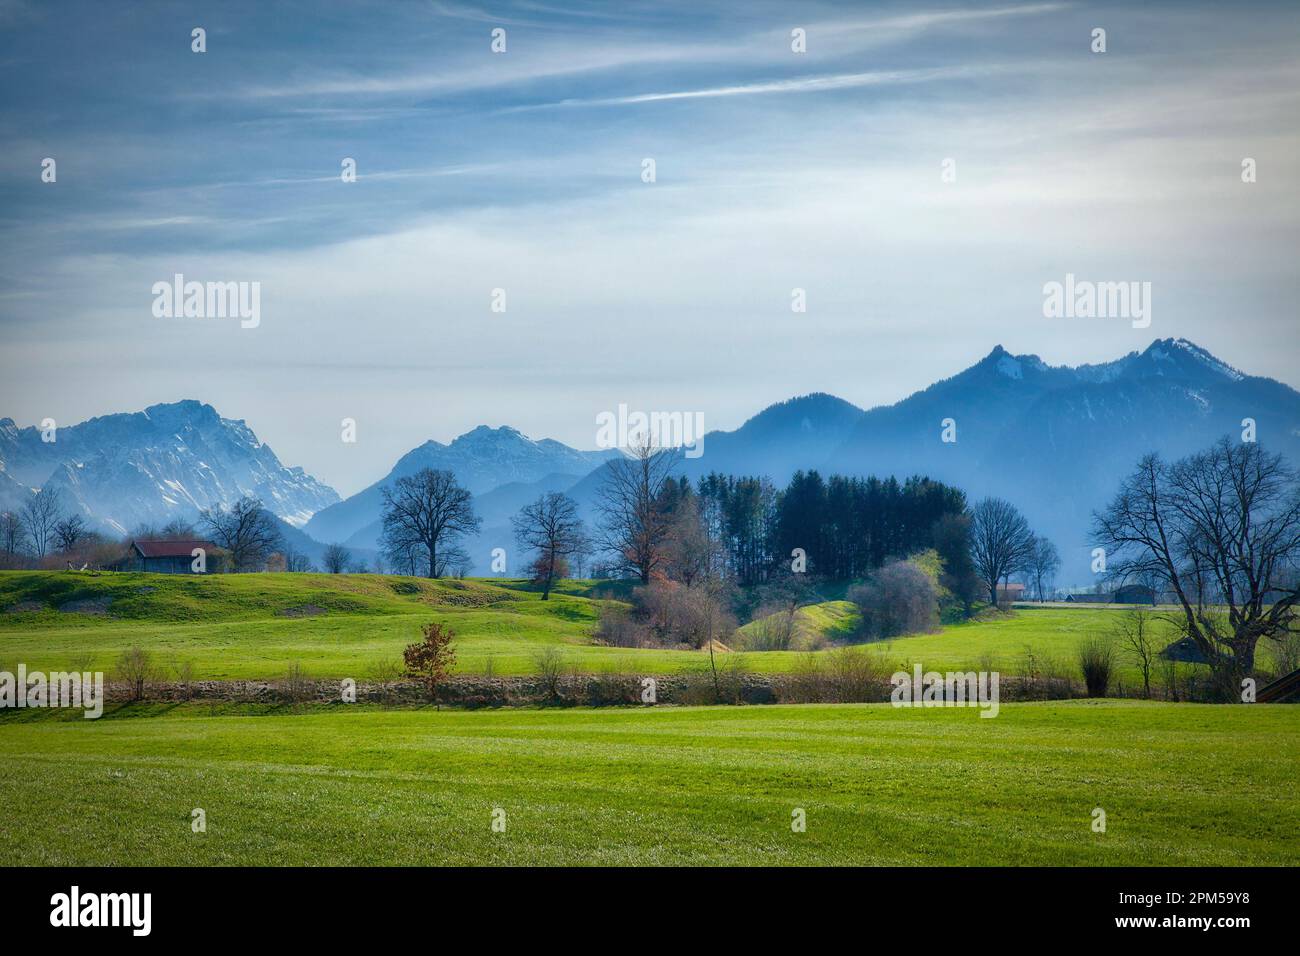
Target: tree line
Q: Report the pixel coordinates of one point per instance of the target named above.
(246, 536)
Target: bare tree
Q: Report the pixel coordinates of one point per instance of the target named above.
(693, 552)
(136, 669)
(40, 514)
(400, 547)
(1134, 632)
(455, 561)
(69, 531)
(1042, 563)
(336, 558)
(176, 529)
(296, 561)
(634, 520)
(247, 530)
(551, 528)
(711, 621)
(179, 529)
(425, 512)
(582, 555)
(1225, 520)
(1001, 542)
(13, 536)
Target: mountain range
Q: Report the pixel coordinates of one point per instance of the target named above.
(171, 460)
(482, 459)
(1056, 440)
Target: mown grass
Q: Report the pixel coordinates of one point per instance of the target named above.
(236, 626)
(1179, 784)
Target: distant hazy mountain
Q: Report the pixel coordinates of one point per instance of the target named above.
(482, 459)
(166, 461)
(1057, 440)
(784, 437)
(1054, 440)
(13, 493)
(799, 433)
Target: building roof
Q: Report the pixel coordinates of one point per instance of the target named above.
(182, 548)
(1185, 649)
(1284, 690)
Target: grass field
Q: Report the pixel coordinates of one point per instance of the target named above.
(1180, 784)
(357, 784)
(244, 626)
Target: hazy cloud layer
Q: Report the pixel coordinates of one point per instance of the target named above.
(522, 171)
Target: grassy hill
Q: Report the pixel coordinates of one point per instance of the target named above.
(256, 625)
(814, 625)
(349, 785)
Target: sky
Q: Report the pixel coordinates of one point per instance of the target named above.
(524, 171)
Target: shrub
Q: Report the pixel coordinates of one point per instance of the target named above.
(431, 660)
(296, 686)
(723, 684)
(387, 672)
(1286, 653)
(858, 675)
(1170, 677)
(549, 662)
(849, 675)
(136, 669)
(899, 598)
(1042, 677)
(613, 686)
(184, 671)
(1096, 660)
(668, 614)
(617, 628)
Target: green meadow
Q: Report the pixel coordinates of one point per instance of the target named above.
(255, 625)
(350, 785)
(355, 784)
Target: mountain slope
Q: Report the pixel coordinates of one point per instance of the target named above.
(482, 459)
(779, 440)
(169, 460)
(1056, 441)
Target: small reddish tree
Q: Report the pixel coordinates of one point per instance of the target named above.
(431, 660)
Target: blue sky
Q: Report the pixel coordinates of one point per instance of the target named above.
(522, 171)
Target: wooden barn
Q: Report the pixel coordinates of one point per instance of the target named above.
(1007, 593)
(1134, 594)
(165, 557)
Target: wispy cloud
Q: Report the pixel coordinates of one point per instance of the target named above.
(925, 20)
(562, 61)
(819, 171)
(534, 61)
(805, 84)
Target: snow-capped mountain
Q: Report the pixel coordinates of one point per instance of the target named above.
(481, 459)
(1057, 440)
(167, 461)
